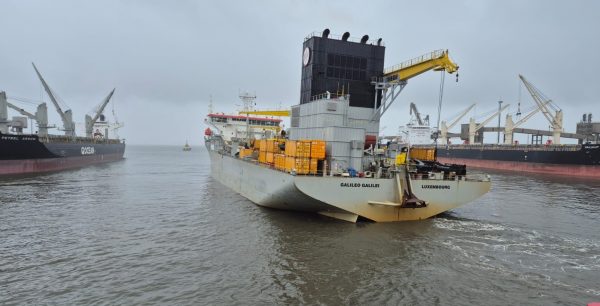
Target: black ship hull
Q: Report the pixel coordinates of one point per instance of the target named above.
(21, 154)
(572, 160)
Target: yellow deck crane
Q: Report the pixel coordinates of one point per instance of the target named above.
(392, 82)
(273, 113)
(437, 60)
(276, 113)
(395, 78)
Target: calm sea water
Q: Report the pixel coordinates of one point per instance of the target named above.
(157, 229)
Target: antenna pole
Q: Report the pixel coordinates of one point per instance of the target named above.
(439, 109)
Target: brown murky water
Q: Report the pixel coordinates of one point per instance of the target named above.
(157, 229)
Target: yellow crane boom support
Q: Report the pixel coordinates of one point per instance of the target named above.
(277, 113)
(437, 60)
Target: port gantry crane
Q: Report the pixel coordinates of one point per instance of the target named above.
(445, 127)
(66, 116)
(556, 120)
(474, 127)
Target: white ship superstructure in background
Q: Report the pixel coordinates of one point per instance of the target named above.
(417, 131)
(235, 126)
(329, 161)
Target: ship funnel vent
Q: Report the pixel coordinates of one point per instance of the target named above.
(379, 42)
(325, 33)
(346, 36)
(364, 39)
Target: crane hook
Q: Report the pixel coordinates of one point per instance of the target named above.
(457, 77)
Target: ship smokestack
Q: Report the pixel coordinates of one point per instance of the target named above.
(590, 117)
(325, 33)
(584, 118)
(379, 42)
(364, 39)
(346, 36)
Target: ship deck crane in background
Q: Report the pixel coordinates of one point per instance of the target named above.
(445, 128)
(90, 121)
(395, 78)
(556, 120)
(66, 116)
(420, 121)
(510, 125)
(40, 116)
(474, 127)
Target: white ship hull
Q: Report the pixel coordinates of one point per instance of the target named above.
(341, 197)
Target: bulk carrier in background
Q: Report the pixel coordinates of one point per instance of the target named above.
(22, 153)
(547, 157)
(328, 161)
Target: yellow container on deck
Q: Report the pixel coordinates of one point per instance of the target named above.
(262, 145)
(290, 163)
(262, 157)
(246, 152)
(317, 149)
(303, 148)
(422, 154)
(273, 145)
(279, 161)
(314, 164)
(290, 148)
(302, 165)
(270, 157)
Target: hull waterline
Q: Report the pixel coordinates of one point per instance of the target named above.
(341, 198)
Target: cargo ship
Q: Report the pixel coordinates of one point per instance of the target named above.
(329, 161)
(581, 160)
(22, 153)
(550, 157)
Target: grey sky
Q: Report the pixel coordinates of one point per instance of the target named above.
(166, 57)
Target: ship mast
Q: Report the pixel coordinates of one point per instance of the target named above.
(66, 116)
(89, 121)
(248, 106)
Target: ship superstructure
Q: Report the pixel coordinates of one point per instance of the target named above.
(22, 153)
(238, 126)
(329, 161)
(417, 131)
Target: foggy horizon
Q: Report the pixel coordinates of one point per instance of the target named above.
(166, 59)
